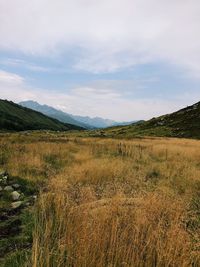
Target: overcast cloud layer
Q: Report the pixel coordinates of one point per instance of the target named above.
(101, 37)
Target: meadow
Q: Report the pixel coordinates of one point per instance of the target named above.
(105, 202)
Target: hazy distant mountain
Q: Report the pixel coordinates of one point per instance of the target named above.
(14, 117)
(52, 112)
(98, 122)
(82, 121)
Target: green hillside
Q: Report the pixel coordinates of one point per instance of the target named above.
(14, 117)
(183, 123)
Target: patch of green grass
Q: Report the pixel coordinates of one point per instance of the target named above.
(39, 174)
(53, 160)
(20, 258)
(16, 246)
(4, 199)
(5, 154)
(194, 220)
(28, 187)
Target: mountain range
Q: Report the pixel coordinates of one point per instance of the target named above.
(53, 113)
(182, 123)
(14, 117)
(82, 121)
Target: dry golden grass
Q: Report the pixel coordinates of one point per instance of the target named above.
(111, 202)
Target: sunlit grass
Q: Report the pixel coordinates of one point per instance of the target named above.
(107, 202)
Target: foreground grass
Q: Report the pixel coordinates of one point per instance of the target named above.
(106, 202)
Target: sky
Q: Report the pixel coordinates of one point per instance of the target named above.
(118, 59)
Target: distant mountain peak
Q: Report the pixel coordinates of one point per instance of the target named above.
(82, 121)
(52, 112)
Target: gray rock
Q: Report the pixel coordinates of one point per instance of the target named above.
(16, 204)
(16, 186)
(8, 188)
(4, 180)
(2, 173)
(27, 204)
(15, 195)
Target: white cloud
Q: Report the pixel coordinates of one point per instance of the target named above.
(13, 87)
(26, 65)
(110, 34)
(10, 78)
(95, 99)
(95, 93)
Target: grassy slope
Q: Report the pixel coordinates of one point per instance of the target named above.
(17, 118)
(183, 123)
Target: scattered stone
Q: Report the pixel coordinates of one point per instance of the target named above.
(16, 186)
(3, 173)
(4, 180)
(15, 195)
(8, 188)
(27, 204)
(34, 197)
(16, 204)
(3, 177)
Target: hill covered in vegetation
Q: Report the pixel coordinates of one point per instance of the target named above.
(14, 117)
(183, 123)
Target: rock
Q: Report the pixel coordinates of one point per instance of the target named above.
(34, 197)
(3, 173)
(8, 188)
(15, 195)
(16, 204)
(27, 204)
(16, 186)
(4, 180)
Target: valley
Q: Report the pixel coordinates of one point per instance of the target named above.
(99, 133)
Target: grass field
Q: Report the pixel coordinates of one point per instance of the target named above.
(106, 202)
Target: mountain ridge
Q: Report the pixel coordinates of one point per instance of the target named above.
(14, 117)
(52, 112)
(83, 121)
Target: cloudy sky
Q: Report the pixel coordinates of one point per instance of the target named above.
(118, 59)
